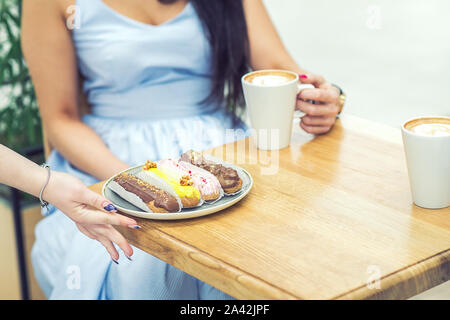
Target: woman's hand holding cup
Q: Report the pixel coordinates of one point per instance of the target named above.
(320, 116)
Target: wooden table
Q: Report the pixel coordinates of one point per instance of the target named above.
(335, 221)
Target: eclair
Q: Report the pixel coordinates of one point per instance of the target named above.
(184, 188)
(156, 199)
(228, 177)
(208, 185)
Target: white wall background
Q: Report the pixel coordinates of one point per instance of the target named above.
(391, 57)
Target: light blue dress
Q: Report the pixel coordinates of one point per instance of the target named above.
(145, 85)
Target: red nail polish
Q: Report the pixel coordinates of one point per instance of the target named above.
(303, 76)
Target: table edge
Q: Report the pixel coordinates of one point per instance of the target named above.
(406, 282)
(232, 280)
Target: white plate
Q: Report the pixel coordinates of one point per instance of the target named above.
(205, 209)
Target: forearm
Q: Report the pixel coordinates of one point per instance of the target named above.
(20, 173)
(267, 50)
(275, 56)
(83, 147)
(279, 61)
(286, 64)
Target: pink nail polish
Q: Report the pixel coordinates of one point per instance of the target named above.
(303, 76)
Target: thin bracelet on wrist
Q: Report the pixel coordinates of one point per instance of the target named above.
(342, 98)
(44, 204)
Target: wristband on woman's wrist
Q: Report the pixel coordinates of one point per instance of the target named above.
(44, 204)
(342, 98)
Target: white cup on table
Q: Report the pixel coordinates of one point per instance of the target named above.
(426, 142)
(271, 97)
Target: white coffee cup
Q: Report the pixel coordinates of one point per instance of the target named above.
(271, 97)
(428, 161)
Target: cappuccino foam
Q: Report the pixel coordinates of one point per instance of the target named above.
(436, 127)
(270, 78)
(433, 129)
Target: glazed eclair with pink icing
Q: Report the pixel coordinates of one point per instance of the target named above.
(205, 182)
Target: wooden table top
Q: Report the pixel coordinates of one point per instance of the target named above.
(335, 220)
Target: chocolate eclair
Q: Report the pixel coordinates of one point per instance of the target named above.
(156, 199)
(228, 177)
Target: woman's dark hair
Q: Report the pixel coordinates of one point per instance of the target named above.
(226, 28)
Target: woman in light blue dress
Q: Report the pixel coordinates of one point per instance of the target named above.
(154, 77)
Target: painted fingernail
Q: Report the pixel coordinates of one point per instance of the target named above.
(115, 261)
(303, 76)
(134, 226)
(129, 258)
(109, 207)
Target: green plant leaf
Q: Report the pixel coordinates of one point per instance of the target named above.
(20, 124)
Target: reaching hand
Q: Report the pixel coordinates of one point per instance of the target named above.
(92, 213)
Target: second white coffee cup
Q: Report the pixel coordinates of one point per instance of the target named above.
(271, 97)
(428, 162)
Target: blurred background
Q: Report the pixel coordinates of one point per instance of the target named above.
(392, 58)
